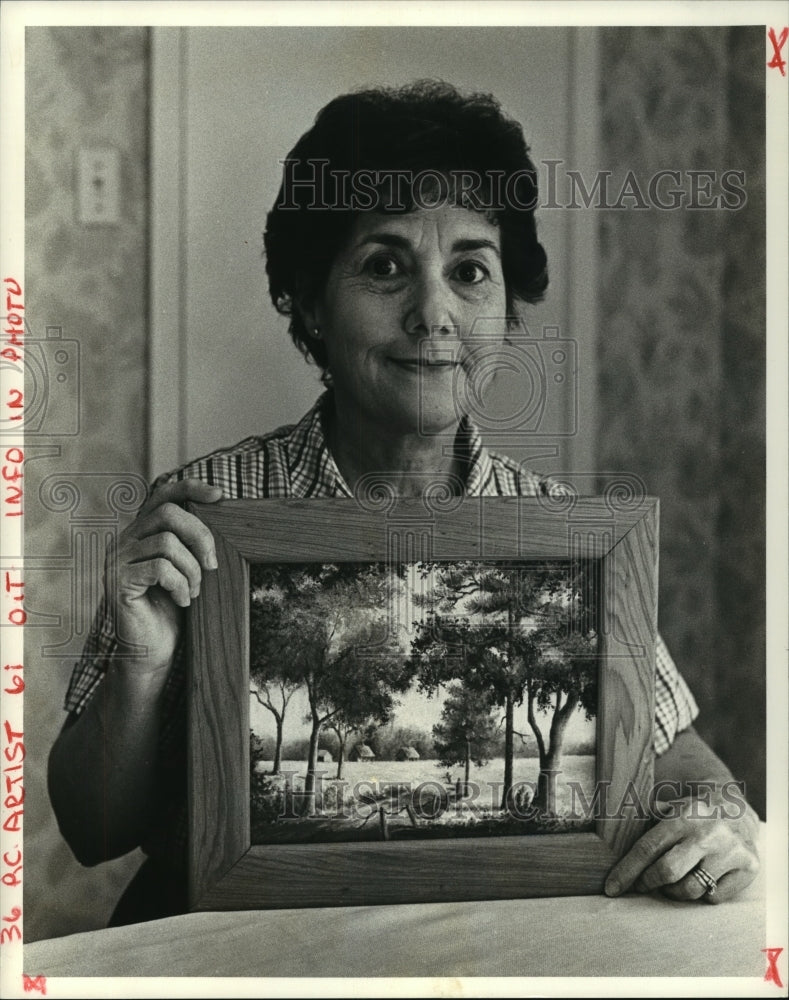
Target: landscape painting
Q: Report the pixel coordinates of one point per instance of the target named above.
(420, 701)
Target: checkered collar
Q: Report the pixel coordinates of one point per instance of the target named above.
(314, 473)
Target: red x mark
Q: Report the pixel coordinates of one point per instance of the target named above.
(778, 43)
(772, 975)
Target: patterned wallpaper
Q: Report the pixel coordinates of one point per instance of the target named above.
(740, 569)
(681, 335)
(681, 355)
(84, 87)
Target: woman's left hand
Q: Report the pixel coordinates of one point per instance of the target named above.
(696, 833)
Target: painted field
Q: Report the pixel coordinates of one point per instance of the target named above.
(580, 769)
(417, 799)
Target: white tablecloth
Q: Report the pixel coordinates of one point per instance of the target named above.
(585, 936)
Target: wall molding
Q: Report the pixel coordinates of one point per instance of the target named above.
(583, 245)
(167, 345)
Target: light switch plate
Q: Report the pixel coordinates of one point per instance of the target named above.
(98, 184)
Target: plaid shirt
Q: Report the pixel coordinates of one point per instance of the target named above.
(294, 461)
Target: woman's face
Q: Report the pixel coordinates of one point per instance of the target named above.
(398, 311)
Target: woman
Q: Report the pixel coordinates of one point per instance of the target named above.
(404, 217)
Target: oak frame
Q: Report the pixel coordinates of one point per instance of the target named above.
(227, 872)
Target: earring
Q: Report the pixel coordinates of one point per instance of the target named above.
(316, 332)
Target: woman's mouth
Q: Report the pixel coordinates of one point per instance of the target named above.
(425, 365)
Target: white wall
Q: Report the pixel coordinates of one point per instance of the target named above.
(228, 106)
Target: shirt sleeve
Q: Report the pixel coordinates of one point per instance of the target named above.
(99, 649)
(89, 671)
(675, 706)
(92, 665)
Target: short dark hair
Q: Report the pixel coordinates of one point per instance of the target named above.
(427, 128)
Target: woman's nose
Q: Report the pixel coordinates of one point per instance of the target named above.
(430, 311)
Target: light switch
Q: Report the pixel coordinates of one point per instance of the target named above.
(99, 193)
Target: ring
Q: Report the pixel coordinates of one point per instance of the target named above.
(709, 883)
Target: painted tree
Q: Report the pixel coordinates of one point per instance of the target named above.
(332, 625)
(519, 634)
(467, 731)
(564, 679)
(269, 684)
(258, 750)
(344, 729)
(275, 696)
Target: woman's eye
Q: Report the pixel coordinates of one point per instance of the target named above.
(383, 266)
(470, 272)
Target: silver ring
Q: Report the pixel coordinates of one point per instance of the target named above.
(709, 883)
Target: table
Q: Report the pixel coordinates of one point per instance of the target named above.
(588, 936)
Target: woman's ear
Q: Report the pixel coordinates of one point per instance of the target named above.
(310, 318)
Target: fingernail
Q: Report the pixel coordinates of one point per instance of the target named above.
(211, 562)
(612, 888)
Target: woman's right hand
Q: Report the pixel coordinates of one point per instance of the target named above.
(157, 567)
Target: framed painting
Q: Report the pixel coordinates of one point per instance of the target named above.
(398, 700)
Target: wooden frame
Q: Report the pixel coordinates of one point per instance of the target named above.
(227, 873)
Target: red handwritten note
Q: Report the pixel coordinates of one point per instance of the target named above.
(777, 62)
